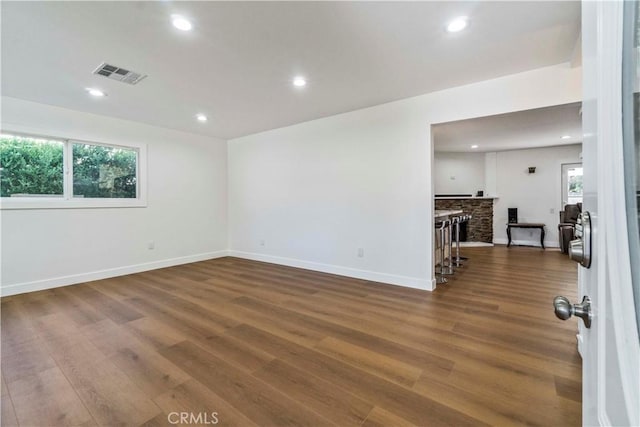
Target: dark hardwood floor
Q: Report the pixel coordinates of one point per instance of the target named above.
(261, 344)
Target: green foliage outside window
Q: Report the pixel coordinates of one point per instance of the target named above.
(30, 166)
(35, 167)
(103, 172)
(575, 185)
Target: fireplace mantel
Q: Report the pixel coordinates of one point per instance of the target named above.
(466, 198)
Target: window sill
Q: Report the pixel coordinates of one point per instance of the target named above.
(56, 203)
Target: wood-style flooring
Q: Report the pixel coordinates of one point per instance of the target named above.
(267, 345)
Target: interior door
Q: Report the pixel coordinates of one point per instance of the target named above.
(610, 347)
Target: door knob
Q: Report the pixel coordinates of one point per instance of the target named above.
(564, 309)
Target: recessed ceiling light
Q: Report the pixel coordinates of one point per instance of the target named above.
(565, 137)
(457, 24)
(201, 117)
(181, 23)
(299, 82)
(474, 146)
(96, 92)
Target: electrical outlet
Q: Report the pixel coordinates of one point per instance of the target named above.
(262, 242)
(552, 211)
(360, 252)
(151, 245)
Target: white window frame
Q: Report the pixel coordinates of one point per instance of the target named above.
(68, 201)
(564, 196)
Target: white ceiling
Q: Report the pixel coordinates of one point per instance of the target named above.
(542, 127)
(237, 63)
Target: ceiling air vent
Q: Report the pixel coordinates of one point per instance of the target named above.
(120, 74)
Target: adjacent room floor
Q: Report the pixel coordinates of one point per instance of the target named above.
(261, 344)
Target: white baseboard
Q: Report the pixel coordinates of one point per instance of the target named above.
(374, 276)
(475, 244)
(547, 244)
(39, 285)
(56, 282)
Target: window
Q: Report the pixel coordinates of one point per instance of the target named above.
(31, 167)
(104, 172)
(571, 183)
(41, 172)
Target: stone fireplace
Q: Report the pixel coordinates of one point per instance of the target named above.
(480, 228)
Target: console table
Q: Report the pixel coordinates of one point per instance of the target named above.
(539, 226)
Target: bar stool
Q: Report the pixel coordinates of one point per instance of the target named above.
(456, 221)
(449, 266)
(465, 218)
(442, 227)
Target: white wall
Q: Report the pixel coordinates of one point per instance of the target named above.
(490, 177)
(317, 191)
(185, 217)
(537, 196)
(313, 193)
(458, 173)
